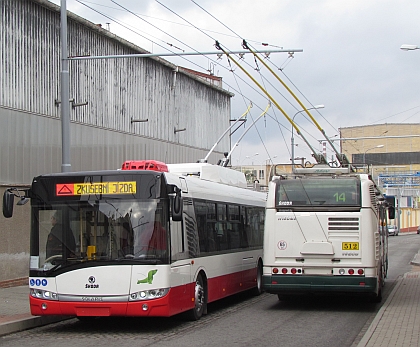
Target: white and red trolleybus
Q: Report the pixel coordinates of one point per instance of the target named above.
(148, 240)
(325, 232)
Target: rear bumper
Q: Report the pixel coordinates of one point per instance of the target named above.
(286, 284)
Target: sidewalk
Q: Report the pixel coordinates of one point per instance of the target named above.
(15, 313)
(397, 323)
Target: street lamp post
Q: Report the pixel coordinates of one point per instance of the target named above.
(248, 157)
(266, 163)
(293, 139)
(364, 154)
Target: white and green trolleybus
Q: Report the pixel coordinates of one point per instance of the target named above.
(325, 231)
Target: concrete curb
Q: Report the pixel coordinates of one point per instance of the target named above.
(29, 323)
(372, 327)
(416, 260)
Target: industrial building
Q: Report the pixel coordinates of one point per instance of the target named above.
(120, 109)
(392, 150)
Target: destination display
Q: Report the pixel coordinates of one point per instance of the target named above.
(99, 188)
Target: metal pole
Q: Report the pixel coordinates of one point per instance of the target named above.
(398, 210)
(293, 139)
(172, 54)
(65, 93)
(293, 151)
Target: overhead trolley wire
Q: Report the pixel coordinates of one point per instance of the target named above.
(134, 31)
(316, 156)
(213, 40)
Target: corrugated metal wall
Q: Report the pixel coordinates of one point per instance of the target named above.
(102, 134)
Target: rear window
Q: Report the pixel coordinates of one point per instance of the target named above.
(318, 192)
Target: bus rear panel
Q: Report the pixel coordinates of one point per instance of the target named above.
(324, 234)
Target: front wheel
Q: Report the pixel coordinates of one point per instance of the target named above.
(200, 302)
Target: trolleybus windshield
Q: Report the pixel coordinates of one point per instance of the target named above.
(105, 219)
(319, 192)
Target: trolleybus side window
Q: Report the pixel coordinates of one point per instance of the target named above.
(233, 228)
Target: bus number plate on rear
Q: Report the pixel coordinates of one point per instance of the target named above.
(350, 246)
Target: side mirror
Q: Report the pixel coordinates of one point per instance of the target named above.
(8, 201)
(391, 212)
(176, 205)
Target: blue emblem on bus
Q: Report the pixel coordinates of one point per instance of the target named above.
(38, 282)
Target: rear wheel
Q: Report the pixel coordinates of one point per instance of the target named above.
(199, 299)
(258, 289)
(378, 296)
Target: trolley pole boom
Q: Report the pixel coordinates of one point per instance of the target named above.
(221, 137)
(341, 157)
(226, 160)
(318, 157)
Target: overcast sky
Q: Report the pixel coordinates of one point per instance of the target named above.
(351, 61)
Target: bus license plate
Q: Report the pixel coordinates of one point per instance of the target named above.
(350, 246)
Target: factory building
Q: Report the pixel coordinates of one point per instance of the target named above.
(120, 109)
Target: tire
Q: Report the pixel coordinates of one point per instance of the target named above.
(286, 297)
(200, 300)
(377, 298)
(258, 289)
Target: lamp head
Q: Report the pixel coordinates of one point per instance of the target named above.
(409, 47)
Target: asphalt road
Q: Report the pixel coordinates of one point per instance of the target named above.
(243, 320)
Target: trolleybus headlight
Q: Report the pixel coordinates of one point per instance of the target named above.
(149, 294)
(43, 294)
(293, 271)
(360, 272)
(275, 271)
(284, 270)
(351, 272)
(341, 271)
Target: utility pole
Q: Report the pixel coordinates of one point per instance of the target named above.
(65, 93)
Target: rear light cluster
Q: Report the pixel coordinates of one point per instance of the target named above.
(300, 271)
(285, 271)
(358, 272)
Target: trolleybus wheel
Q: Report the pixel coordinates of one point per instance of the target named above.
(284, 297)
(378, 297)
(258, 289)
(200, 296)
